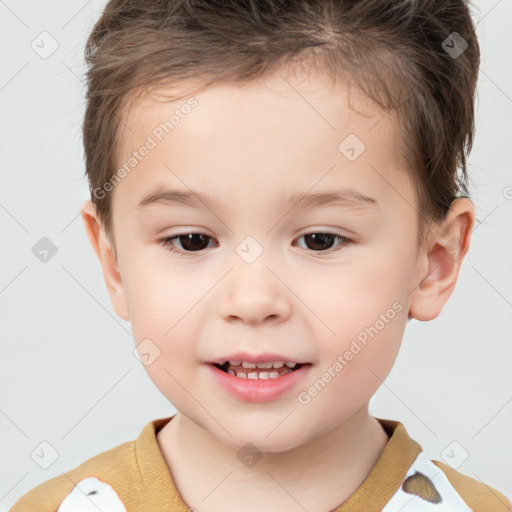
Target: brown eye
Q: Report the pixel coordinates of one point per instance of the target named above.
(189, 242)
(193, 241)
(319, 241)
(323, 242)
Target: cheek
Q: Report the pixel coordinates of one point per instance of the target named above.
(157, 297)
(165, 308)
(361, 292)
(366, 311)
(359, 364)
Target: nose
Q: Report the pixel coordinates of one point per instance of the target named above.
(253, 294)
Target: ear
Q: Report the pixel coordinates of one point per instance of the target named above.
(441, 260)
(108, 259)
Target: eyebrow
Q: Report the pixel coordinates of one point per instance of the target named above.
(345, 197)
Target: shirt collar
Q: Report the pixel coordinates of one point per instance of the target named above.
(388, 473)
(376, 490)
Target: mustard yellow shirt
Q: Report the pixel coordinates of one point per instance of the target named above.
(134, 477)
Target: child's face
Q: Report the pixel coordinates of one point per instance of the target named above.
(248, 148)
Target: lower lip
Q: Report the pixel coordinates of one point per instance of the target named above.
(258, 390)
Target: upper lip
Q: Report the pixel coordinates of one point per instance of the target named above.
(257, 358)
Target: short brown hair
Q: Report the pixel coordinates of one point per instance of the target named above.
(397, 52)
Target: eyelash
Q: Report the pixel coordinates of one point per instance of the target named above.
(166, 243)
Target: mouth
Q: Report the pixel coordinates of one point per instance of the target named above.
(262, 381)
(258, 371)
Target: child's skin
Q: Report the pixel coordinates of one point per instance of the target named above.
(246, 146)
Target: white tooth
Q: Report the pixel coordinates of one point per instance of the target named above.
(263, 375)
(264, 365)
(274, 375)
(253, 375)
(248, 365)
(234, 363)
(278, 364)
(231, 372)
(242, 375)
(221, 363)
(286, 371)
(291, 365)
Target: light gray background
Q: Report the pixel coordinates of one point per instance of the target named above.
(68, 375)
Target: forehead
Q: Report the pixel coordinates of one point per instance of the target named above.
(302, 102)
(281, 129)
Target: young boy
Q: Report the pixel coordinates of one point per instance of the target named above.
(274, 193)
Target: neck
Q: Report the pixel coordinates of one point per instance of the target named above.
(318, 475)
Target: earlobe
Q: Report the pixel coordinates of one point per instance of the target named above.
(442, 260)
(107, 258)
